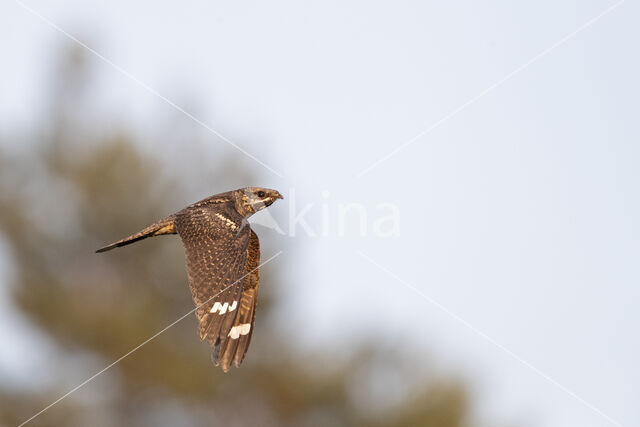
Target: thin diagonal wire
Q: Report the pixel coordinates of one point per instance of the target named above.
(133, 350)
(489, 89)
(145, 86)
(491, 340)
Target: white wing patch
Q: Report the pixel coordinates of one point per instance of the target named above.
(222, 308)
(236, 331)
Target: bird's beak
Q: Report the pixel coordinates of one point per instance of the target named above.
(278, 195)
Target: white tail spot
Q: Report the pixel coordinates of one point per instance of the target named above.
(236, 331)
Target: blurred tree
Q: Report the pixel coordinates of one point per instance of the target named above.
(68, 190)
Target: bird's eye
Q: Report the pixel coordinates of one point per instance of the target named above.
(261, 194)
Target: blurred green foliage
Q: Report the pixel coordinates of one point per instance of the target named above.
(64, 192)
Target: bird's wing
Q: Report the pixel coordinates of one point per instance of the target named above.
(235, 349)
(217, 253)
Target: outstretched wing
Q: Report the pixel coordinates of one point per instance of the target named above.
(216, 245)
(235, 349)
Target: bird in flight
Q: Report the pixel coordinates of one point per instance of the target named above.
(222, 257)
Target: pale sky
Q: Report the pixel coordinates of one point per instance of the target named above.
(518, 210)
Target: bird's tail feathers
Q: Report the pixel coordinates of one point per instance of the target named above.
(164, 226)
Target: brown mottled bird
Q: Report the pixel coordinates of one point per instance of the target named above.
(223, 255)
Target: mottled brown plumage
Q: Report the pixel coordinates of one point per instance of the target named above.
(222, 257)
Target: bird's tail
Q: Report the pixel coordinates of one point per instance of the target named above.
(164, 226)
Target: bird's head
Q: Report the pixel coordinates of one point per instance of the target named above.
(250, 200)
